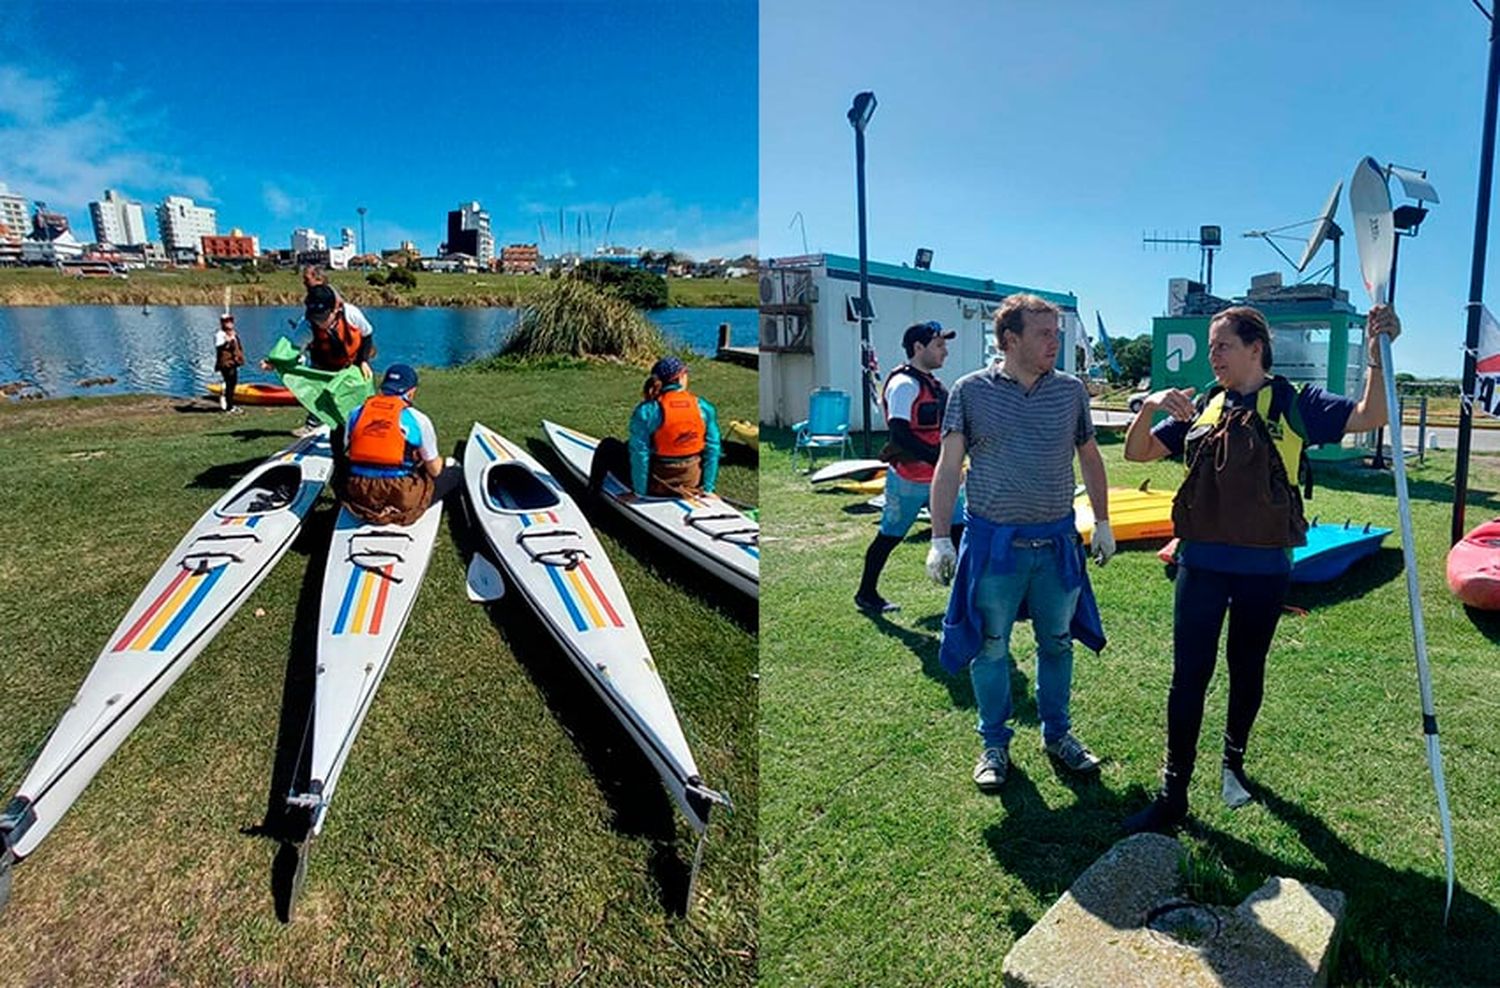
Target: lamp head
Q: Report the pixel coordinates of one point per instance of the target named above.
(862, 110)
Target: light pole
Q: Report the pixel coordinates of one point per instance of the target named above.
(361, 211)
(859, 117)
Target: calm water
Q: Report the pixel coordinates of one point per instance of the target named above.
(170, 351)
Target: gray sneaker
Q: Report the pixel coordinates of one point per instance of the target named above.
(989, 771)
(1074, 755)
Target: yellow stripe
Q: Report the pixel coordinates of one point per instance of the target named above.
(366, 582)
(583, 595)
(164, 616)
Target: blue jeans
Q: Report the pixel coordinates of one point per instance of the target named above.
(1036, 580)
(904, 500)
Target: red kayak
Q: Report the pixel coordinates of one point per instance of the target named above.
(257, 394)
(1474, 567)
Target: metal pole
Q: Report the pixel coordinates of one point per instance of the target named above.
(864, 288)
(1379, 462)
(1476, 285)
(1422, 431)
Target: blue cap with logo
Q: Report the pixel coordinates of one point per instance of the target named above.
(399, 379)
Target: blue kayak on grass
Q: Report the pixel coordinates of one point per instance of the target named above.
(1332, 549)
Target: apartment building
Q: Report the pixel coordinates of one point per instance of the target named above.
(469, 233)
(118, 221)
(183, 225)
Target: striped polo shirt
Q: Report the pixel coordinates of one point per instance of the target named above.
(1021, 443)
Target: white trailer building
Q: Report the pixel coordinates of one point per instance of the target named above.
(810, 336)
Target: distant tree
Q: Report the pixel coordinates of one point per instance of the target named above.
(402, 277)
(1134, 357)
(641, 289)
(376, 277)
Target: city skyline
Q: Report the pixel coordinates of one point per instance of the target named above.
(531, 129)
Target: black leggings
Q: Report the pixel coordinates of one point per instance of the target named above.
(1254, 606)
(231, 381)
(611, 456)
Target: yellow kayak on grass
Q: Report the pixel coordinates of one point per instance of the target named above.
(745, 433)
(1134, 514)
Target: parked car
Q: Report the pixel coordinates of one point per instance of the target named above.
(1137, 400)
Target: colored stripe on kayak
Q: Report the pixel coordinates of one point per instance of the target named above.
(363, 607)
(581, 595)
(171, 609)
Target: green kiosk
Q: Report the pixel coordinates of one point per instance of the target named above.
(1316, 338)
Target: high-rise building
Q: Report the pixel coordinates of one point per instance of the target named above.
(184, 224)
(469, 233)
(306, 240)
(13, 212)
(118, 221)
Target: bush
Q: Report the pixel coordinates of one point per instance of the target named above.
(376, 277)
(404, 277)
(574, 318)
(641, 289)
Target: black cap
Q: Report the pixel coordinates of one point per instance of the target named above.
(922, 334)
(320, 300)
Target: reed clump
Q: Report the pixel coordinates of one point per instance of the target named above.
(574, 318)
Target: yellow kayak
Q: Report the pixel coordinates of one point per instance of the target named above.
(1134, 514)
(746, 433)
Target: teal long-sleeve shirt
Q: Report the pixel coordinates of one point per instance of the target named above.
(644, 422)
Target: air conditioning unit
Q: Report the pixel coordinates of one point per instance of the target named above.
(770, 289)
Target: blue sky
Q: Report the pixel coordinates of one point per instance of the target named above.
(292, 114)
(1036, 143)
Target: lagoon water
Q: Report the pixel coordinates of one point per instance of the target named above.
(170, 350)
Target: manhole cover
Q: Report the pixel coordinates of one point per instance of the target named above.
(1186, 923)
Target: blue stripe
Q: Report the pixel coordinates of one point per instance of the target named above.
(562, 591)
(579, 442)
(486, 447)
(165, 638)
(254, 521)
(343, 618)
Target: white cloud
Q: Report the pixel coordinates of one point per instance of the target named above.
(280, 203)
(67, 155)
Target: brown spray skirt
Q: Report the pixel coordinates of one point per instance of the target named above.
(388, 500)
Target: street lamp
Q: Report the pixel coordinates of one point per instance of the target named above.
(1405, 220)
(859, 117)
(361, 211)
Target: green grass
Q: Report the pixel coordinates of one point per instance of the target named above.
(188, 286)
(493, 826)
(881, 863)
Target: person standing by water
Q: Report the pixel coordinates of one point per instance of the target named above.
(913, 402)
(1238, 515)
(229, 357)
(674, 440)
(1021, 423)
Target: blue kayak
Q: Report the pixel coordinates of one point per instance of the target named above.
(1332, 549)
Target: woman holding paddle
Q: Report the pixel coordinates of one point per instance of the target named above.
(1238, 516)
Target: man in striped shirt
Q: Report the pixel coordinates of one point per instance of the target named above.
(1020, 423)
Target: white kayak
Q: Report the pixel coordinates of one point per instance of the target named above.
(703, 528)
(554, 560)
(198, 588)
(850, 470)
(369, 587)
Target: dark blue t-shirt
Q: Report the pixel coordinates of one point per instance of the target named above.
(1323, 416)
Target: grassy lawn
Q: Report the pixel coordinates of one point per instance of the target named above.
(44, 286)
(493, 826)
(881, 863)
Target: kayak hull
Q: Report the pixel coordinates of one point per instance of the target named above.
(257, 394)
(194, 593)
(701, 528)
(1332, 549)
(1134, 515)
(850, 470)
(1474, 567)
(553, 560)
(370, 585)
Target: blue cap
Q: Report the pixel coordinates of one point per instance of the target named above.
(668, 369)
(399, 379)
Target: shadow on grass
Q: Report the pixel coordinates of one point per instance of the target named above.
(1487, 622)
(198, 408)
(1363, 578)
(663, 562)
(1394, 918)
(623, 773)
(224, 475)
(289, 768)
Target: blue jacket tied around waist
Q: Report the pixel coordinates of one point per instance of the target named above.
(987, 546)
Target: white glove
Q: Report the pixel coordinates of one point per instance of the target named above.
(941, 561)
(1103, 543)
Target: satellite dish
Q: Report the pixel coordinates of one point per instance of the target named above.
(1414, 183)
(1324, 225)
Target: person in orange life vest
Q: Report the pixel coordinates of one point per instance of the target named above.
(341, 337)
(674, 439)
(229, 356)
(312, 276)
(913, 403)
(395, 472)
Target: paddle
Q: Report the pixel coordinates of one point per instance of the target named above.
(1375, 238)
(484, 583)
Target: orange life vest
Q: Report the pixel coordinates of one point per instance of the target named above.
(337, 346)
(681, 430)
(377, 439)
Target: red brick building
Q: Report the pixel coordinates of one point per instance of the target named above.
(232, 248)
(520, 259)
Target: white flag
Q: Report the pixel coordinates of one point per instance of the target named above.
(1487, 364)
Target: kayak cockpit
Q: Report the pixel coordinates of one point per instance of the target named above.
(513, 487)
(271, 490)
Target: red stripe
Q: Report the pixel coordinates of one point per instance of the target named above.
(385, 588)
(135, 629)
(1489, 365)
(587, 575)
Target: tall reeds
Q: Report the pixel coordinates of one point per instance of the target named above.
(574, 318)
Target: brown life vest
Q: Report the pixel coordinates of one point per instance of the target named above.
(337, 346)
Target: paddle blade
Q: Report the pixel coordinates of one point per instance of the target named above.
(1374, 234)
(1445, 818)
(484, 582)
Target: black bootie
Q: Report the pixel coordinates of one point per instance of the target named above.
(1166, 811)
(1235, 787)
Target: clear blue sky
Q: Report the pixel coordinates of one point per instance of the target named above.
(293, 114)
(1035, 143)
